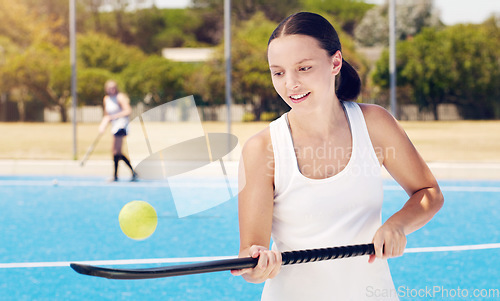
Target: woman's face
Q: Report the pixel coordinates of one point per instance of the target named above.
(303, 73)
(111, 89)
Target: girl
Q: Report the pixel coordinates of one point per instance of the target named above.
(312, 178)
(116, 110)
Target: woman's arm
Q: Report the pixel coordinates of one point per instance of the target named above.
(406, 166)
(255, 208)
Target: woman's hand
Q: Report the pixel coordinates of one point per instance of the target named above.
(268, 266)
(389, 241)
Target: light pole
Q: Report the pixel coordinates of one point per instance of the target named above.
(3, 95)
(72, 44)
(227, 57)
(392, 56)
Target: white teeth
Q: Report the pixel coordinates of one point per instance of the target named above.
(298, 96)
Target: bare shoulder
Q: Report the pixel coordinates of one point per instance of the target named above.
(375, 114)
(256, 169)
(395, 150)
(123, 98)
(259, 145)
(382, 126)
(258, 158)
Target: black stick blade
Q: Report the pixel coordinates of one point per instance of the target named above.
(161, 272)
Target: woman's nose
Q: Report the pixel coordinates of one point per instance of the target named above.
(292, 81)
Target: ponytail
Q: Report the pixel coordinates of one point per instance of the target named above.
(349, 83)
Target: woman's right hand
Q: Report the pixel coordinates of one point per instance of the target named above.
(268, 266)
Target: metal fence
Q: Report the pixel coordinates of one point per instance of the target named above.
(445, 112)
(89, 114)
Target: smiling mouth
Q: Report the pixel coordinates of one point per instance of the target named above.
(299, 97)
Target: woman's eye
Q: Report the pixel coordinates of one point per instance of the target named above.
(277, 73)
(304, 68)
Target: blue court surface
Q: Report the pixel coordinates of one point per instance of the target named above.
(46, 224)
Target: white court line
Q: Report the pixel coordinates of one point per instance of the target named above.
(452, 188)
(111, 262)
(453, 248)
(211, 184)
(201, 259)
(470, 189)
(200, 184)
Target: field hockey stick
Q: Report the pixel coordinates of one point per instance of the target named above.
(91, 148)
(291, 257)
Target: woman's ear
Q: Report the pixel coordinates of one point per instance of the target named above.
(336, 62)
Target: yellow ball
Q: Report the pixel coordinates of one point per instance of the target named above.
(138, 220)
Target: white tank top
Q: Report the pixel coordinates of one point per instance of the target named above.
(344, 209)
(113, 107)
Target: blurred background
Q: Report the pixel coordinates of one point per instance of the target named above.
(447, 62)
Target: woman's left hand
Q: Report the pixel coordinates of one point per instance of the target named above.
(389, 241)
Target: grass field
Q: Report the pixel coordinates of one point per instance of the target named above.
(448, 141)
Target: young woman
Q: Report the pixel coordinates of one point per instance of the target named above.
(116, 110)
(312, 178)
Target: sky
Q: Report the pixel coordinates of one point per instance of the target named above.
(452, 11)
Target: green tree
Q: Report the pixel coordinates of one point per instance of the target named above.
(251, 76)
(147, 24)
(427, 74)
(211, 13)
(18, 23)
(475, 69)
(36, 73)
(91, 8)
(346, 13)
(32, 45)
(182, 28)
(7, 50)
(209, 80)
(274, 10)
(54, 13)
(121, 25)
(411, 17)
(459, 64)
(156, 79)
(100, 51)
